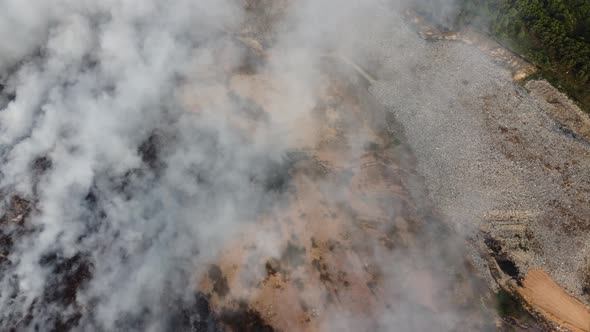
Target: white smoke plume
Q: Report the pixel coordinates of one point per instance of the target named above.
(135, 189)
(133, 186)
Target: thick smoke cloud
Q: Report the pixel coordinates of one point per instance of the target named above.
(95, 86)
(135, 173)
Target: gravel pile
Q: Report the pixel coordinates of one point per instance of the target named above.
(492, 157)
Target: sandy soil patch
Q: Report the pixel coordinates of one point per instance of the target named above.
(545, 295)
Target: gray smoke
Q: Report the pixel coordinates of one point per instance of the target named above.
(136, 190)
(134, 185)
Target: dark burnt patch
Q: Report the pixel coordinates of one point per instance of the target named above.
(244, 319)
(503, 260)
(195, 316)
(273, 267)
(508, 306)
(93, 215)
(220, 286)
(372, 147)
(293, 255)
(342, 278)
(55, 320)
(320, 266)
(67, 323)
(12, 225)
(332, 245)
(150, 151)
(41, 165)
(68, 276)
(314, 243)
(494, 245)
(570, 134)
(6, 245)
(278, 176)
(127, 184)
(585, 274)
(6, 96)
(91, 199)
(17, 211)
(509, 267)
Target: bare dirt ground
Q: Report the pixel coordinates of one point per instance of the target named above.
(545, 295)
(347, 209)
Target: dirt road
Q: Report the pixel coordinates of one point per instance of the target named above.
(544, 294)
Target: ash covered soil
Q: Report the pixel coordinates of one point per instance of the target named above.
(402, 202)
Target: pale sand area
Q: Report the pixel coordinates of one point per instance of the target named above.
(544, 294)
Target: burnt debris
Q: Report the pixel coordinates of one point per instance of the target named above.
(198, 316)
(6, 96)
(150, 151)
(12, 224)
(69, 275)
(244, 319)
(58, 305)
(506, 264)
(17, 211)
(273, 267)
(195, 316)
(220, 286)
(276, 176)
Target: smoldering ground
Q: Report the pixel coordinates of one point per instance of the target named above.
(123, 174)
(135, 189)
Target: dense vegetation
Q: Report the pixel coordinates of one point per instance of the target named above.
(554, 34)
